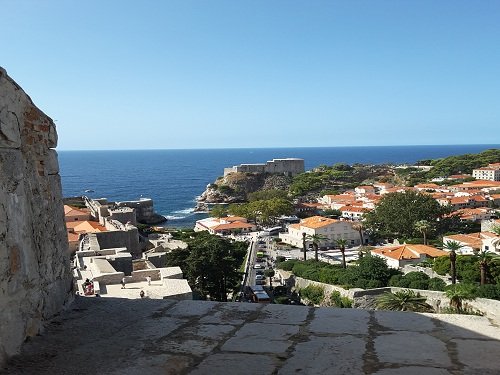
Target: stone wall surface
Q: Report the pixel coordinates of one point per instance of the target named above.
(34, 266)
(146, 336)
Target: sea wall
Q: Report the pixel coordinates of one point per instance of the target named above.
(35, 278)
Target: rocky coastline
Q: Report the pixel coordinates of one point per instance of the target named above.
(235, 187)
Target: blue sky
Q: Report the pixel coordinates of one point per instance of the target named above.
(215, 74)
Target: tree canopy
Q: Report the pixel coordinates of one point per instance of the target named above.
(210, 264)
(397, 213)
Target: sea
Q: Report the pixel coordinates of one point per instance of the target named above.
(175, 178)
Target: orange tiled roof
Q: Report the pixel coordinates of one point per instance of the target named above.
(473, 239)
(352, 209)
(72, 211)
(89, 227)
(406, 252)
(315, 222)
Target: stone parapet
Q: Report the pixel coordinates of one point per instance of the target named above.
(148, 336)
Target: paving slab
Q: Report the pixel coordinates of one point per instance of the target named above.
(195, 340)
(477, 354)
(324, 355)
(413, 370)
(397, 321)
(241, 364)
(233, 313)
(261, 338)
(339, 321)
(283, 314)
(191, 308)
(466, 326)
(411, 348)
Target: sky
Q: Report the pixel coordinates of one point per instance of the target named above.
(122, 74)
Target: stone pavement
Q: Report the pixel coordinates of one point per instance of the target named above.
(126, 337)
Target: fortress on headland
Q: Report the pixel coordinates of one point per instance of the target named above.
(287, 166)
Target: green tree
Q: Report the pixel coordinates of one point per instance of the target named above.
(218, 211)
(423, 226)
(316, 240)
(404, 300)
(212, 265)
(485, 258)
(270, 273)
(397, 213)
(341, 243)
(453, 247)
(359, 227)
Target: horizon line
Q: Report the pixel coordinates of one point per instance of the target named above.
(279, 147)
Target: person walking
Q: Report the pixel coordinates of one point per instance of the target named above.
(148, 279)
(123, 283)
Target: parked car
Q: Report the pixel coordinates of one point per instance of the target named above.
(259, 277)
(259, 272)
(257, 266)
(260, 282)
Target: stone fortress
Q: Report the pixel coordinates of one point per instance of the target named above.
(287, 166)
(76, 335)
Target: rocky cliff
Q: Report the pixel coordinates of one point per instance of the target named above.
(34, 260)
(235, 187)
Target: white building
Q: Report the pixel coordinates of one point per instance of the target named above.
(491, 173)
(331, 228)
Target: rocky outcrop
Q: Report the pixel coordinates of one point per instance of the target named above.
(34, 260)
(235, 187)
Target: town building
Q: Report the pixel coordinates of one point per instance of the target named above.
(402, 255)
(473, 243)
(113, 273)
(332, 229)
(491, 172)
(225, 225)
(287, 166)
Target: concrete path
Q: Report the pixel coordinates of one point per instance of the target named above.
(125, 337)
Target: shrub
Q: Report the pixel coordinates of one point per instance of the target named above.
(437, 284)
(405, 300)
(337, 300)
(280, 259)
(313, 293)
(490, 291)
(288, 265)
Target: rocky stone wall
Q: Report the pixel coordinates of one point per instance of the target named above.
(35, 277)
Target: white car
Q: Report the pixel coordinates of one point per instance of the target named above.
(257, 266)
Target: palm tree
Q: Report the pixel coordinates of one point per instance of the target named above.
(270, 273)
(423, 226)
(359, 227)
(316, 239)
(452, 247)
(485, 257)
(458, 293)
(342, 242)
(304, 244)
(404, 300)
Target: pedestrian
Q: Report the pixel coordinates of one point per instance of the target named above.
(123, 283)
(148, 279)
(142, 294)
